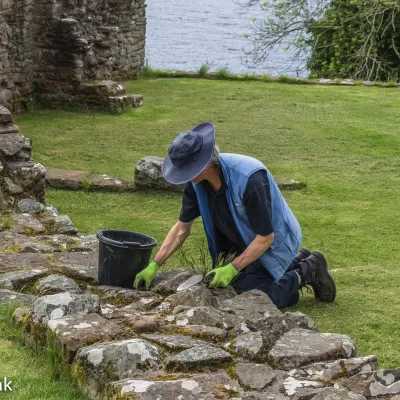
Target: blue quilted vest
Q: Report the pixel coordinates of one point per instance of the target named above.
(287, 233)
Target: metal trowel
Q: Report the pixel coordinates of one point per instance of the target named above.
(194, 280)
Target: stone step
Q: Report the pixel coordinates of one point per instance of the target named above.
(147, 176)
(82, 180)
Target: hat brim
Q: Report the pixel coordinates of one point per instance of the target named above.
(178, 176)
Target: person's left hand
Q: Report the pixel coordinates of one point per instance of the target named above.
(223, 276)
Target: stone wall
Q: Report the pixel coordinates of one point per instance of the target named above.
(53, 46)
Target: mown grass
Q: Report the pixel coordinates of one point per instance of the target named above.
(31, 375)
(344, 142)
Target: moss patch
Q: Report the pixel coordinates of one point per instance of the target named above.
(12, 249)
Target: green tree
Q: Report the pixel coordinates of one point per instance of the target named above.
(334, 38)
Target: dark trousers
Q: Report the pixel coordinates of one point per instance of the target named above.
(283, 293)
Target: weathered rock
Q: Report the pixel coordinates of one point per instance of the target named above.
(19, 279)
(142, 323)
(121, 296)
(71, 333)
(20, 315)
(32, 247)
(300, 347)
(250, 305)
(301, 389)
(64, 225)
(11, 187)
(30, 206)
(148, 175)
(337, 394)
(197, 357)
(144, 304)
(65, 179)
(206, 332)
(96, 365)
(63, 304)
(206, 316)
(254, 376)
(330, 371)
(203, 386)
(53, 284)
(375, 383)
(249, 345)
(276, 326)
(8, 296)
(166, 282)
(5, 115)
(25, 223)
(13, 144)
(239, 330)
(197, 296)
(174, 342)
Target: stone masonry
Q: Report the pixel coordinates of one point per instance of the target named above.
(54, 46)
(120, 343)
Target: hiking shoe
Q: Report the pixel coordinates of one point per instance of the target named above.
(314, 272)
(300, 256)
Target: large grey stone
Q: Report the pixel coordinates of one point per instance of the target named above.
(275, 326)
(71, 333)
(300, 347)
(11, 188)
(166, 282)
(64, 225)
(25, 223)
(301, 389)
(197, 357)
(8, 296)
(375, 383)
(13, 143)
(63, 304)
(122, 296)
(201, 295)
(250, 305)
(174, 342)
(333, 370)
(19, 279)
(5, 115)
(96, 365)
(206, 316)
(53, 284)
(337, 394)
(148, 175)
(30, 206)
(33, 247)
(210, 333)
(203, 386)
(254, 376)
(249, 345)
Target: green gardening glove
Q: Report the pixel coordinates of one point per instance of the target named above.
(146, 275)
(223, 276)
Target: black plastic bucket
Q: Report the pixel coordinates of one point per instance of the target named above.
(123, 254)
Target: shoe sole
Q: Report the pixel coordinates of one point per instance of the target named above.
(322, 258)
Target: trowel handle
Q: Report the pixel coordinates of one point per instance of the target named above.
(209, 278)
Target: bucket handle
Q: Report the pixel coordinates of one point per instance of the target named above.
(117, 243)
(137, 244)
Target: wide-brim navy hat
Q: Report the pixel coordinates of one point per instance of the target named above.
(189, 154)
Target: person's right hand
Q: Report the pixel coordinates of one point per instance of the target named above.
(146, 276)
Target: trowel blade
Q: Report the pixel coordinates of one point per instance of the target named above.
(193, 280)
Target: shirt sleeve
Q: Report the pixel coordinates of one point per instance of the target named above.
(257, 200)
(190, 207)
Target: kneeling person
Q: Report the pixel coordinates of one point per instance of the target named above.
(244, 214)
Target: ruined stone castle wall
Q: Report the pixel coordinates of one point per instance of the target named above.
(54, 45)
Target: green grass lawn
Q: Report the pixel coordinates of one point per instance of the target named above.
(31, 374)
(344, 143)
